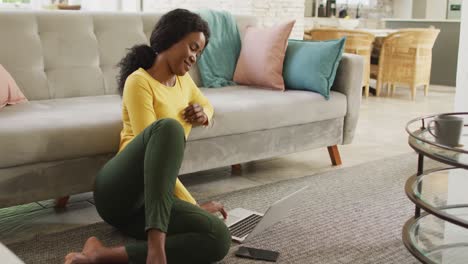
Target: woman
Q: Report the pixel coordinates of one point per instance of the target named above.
(137, 191)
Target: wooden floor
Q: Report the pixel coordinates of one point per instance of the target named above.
(380, 134)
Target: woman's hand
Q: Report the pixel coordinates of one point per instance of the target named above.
(195, 115)
(214, 207)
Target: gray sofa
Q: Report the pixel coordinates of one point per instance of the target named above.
(64, 62)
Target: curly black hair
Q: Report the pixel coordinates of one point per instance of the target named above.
(170, 29)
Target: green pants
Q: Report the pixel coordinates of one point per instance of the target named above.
(134, 192)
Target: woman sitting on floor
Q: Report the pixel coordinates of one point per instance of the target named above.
(138, 191)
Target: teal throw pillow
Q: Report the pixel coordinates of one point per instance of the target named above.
(312, 65)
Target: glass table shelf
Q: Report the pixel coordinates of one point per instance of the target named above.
(451, 157)
(433, 240)
(443, 188)
(424, 142)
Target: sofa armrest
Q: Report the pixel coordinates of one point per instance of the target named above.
(348, 81)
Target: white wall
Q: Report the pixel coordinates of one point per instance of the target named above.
(436, 9)
(461, 98)
(101, 5)
(131, 5)
(308, 8)
(419, 9)
(402, 9)
(269, 12)
(457, 186)
(429, 9)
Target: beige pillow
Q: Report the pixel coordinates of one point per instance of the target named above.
(10, 93)
(262, 54)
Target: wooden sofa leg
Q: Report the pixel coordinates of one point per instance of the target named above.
(236, 168)
(334, 155)
(61, 202)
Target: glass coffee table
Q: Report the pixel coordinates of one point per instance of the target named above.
(440, 233)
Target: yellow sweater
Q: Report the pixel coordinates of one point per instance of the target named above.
(146, 100)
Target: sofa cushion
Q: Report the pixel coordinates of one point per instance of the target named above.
(242, 109)
(67, 128)
(59, 129)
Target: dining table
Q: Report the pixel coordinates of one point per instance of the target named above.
(380, 35)
(379, 32)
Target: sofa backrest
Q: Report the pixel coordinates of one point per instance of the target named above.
(59, 54)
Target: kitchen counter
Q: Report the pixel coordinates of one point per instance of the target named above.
(445, 51)
(422, 20)
(311, 22)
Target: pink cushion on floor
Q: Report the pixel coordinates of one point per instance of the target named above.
(262, 54)
(10, 93)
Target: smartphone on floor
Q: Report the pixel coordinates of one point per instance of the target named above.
(259, 254)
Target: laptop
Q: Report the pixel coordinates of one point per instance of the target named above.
(245, 224)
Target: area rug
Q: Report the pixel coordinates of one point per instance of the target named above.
(348, 215)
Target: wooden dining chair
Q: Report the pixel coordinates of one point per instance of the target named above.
(405, 58)
(357, 42)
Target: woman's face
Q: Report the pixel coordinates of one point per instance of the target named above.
(184, 54)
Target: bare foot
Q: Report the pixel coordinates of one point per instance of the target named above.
(77, 258)
(92, 246)
(89, 255)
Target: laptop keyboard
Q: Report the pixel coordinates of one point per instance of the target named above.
(245, 226)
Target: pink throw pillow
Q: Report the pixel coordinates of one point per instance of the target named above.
(262, 55)
(10, 93)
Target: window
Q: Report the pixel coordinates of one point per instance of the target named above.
(15, 4)
(16, 1)
(353, 2)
